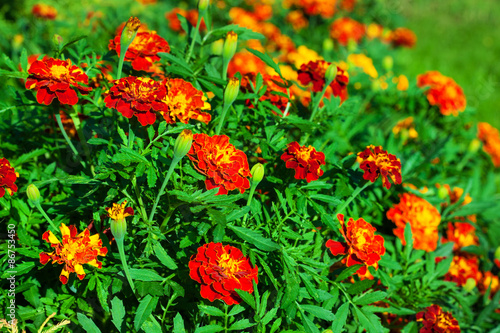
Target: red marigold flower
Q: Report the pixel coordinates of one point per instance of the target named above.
(74, 251)
(44, 11)
(361, 244)
(462, 234)
(435, 320)
(56, 78)
(184, 102)
(443, 91)
(403, 37)
(463, 268)
(317, 7)
(224, 166)
(143, 50)
(423, 217)
(344, 29)
(489, 280)
(376, 162)
(305, 160)
(314, 71)
(272, 83)
(136, 96)
(7, 178)
(220, 270)
(490, 137)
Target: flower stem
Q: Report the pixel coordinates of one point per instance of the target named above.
(39, 207)
(144, 215)
(68, 140)
(119, 243)
(221, 120)
(249, 201)
(354, 194)
(193, 40)
(174, 163)
(316, 104)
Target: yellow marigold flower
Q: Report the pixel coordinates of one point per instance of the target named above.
(74, 251)
(364, 62)
(490, 137)
(119, 212)
(405, 128)
(302, 56)
(402, 82)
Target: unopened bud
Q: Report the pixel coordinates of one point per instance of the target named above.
(217, 47)
(33, 193)
(497, 253)
(388, 62)
(231, 92)
(331, 73)
(470, 284)
(129, 32)
(57, 40)
(474, 145)
(328, 44)
(230, 45)
(117, 214)
(203, 5)
(257, 174)
(443, 192)
(183, 144)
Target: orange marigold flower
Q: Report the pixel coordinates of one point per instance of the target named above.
(361, 244)
(463, 268)
(490, 137)
(406, 129)
(344, 29)
(456, 194)
(143, 50)
(489, 280)
(272, 84)
(443, 91)
(376, 162)
(462, 234)
(119, 212)
(348, 5)
(435, 320)
(184, 102)
(7, 178)
(423, 217)
(245, 62)
(402, 82)
(306, 161)
(364, 62)
(297, 20)
(56, 78)
(191, 16)
(136, 96)
(74, 251)
(44, 11)
(374, 30)
(220, 270)
(325, 8)
(224, 166)
(403, 37)
(314, 71)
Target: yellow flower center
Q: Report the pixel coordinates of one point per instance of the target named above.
(304, 153)
(229, 265)
(59, 71)
(117, 213)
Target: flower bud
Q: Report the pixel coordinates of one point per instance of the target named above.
(257, 174)
(203, 5)
(474, 145)
(183, 144)
(117, 214)
(230, 45)
(470, 284)
(387, 62)
(217, 47)
(231, 92)
(497, 253)
(328, 44)
(331, 73)
(129, 32)
(443, 192)
(57, 40)
(33, 194)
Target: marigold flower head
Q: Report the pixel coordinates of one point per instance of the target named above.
(455, 194)
(435, 319)
(314, 71)
(245, 62)
(306, 161)
(224, 166)
(220, 270)
(53, 78)
(273, 84)
(406, 129)
(344, 29)
(374, 30)
(136, 96)
(325, 8)
(376, 162)
(44, 11)
(119, 211)
(490, 137)
(403, 37)
(297, 20)
(8, 177)
(361, 244)
(463, 268)
(423, 217)
(302, 55)
(462, 234)
(364, 62)
(442, 91)
(402, 83)
(74, 251)
(489, 280)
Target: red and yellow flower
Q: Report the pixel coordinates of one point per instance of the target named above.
(314, 72)
(435, 319)
(74, 251)
(297, 19)
(462, 234)
(361, 244)
(403, 37)
(489, 280)
(245, 62)
(345, 29)
(191, 16)
(8, 177)
(423, 217)
(220, 270)
(406, 129)
(442, 91)
(53, 78)
(490, 137)
(377, 162)
(224, 166)
(306, 161)
(44, 11)
(463, 268)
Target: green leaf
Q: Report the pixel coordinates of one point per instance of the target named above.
(209, 329)
(340, 318)
(152, 177)
(488, 310)
(143, 275)
(409, 241)
(326, 198)
(20, 269)
(102, 295)
(243, 34)
(127, 156)
(276, 325)
(360, 286)
(347, 272)
(97, 141)
(269, 316)
(308, 324)
(318, 312)
(178, 61)
(179, 324)
(211, 310)
(235, 309)
(145, 308)
(117, 312)
(370, 321)
(24, 60)
(267, 60)
(165, 259)
(87, 323)
(369, 298)
(241, 325)
(246, 297)
(255, 238)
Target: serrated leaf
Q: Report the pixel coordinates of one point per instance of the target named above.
(117, 312)
(88, 324)
(326, 198)
(241, 325)
(318, 312)
(209, 329)
(340, 318)
(409, 241)
(151, 177)
(347, 272)
(369, 298)
(308, 324)
(246, 297)
(143, 275)
(211, 310)
(276, 325)
(255, 238)
(360, 286)
(267, 60)
(179, 324)
(269, 316)
(164, 258)
(235, 309)
(145, 308)
(102, 295)
(369, 321)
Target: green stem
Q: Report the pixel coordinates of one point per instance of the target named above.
(174, 163)
(316, 104)
(39, 207)
(193, 40)
(144, 215)
(249, 201)
(221, 120)
(68, 140)
(119, 243)
(353, 195)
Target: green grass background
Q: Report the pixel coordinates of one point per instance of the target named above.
(461, 39)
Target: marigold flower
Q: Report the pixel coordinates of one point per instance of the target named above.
(302, 55)
(136, 96)
(462, 234)
(435, 320)
(361, 244)
(117, 214)
(490, 137)
(463, 268)
(191, 16)
(7, 178)
(314, 71)
(224, 166)
(325, 8)
(374, 30)
(245, 62)
(406, 129)
(306, 161)
(56, 78)
(423, 217)
(74, 251)
(184, 102)
(143, 50)
(455, 194)
(403, 37)
(272, 83)
(489, 280)
(402, 83)
(443, 91)
(344, 29)
(220, 270)
(364, 62)
(297, 20)
(376, 162)
(44, 11)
